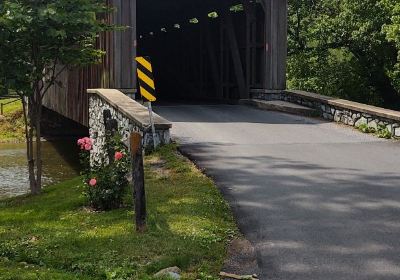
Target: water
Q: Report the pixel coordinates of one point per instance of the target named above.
(60, 162)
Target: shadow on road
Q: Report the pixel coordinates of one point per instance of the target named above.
(307, 219)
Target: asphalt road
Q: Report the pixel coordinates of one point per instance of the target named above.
(317, 200)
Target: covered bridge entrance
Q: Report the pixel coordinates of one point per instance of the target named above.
(201, 49)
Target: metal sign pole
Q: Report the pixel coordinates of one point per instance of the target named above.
(153, 129)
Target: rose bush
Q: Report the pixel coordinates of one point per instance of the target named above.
(106, 184)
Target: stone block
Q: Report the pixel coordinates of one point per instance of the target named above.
(338, 116)
(397, 132)
(361, 121)
(327, 116)
(373, 124)
(328, 109)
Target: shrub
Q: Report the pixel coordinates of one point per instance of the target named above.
(106, 184)
(366, 129)
(383, 132)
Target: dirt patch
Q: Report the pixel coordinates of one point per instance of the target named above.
(242, 258)
(157, 165)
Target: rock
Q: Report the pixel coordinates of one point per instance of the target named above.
(350, 121)
(338, 116)
(373, 124)
(327, 116)
(171, 272)
(397, 132)
(327, 109)
(361, 121)
(344, 119)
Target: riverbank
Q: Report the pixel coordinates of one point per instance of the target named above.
(53, 236)
(12, 128)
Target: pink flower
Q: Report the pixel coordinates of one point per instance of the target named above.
(118, 156)
(85, 143)
(93, 182)
(87, 147)
(87, 140)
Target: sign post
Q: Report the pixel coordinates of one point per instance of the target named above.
(147, 87)
(153, 129)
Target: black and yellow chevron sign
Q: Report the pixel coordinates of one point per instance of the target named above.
(146, 78)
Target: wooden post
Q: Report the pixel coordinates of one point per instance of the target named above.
(153, 129)
(276, 20)
(139, 193)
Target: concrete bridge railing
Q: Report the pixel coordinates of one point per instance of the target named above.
(130, 115)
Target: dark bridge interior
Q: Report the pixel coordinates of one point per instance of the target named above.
(203, 49)
(221, 50)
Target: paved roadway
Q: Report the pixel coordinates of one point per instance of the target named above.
(317, 200)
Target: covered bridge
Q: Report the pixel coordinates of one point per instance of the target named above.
(222, 50)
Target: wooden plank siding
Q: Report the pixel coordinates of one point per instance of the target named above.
(276, 44)
(115, 70)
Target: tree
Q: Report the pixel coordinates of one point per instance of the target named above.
(39, 39)
(339, 48)
(392, 31)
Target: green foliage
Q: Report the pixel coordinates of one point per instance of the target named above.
(383, 132)
(12, 127)
(392, 31)
(39, 40)
(106, 184)
(55, 237)
(35, 36)
(366, 129)
(346, 49)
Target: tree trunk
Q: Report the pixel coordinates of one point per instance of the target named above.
(39, 163)
(29, 143)
(33, 135)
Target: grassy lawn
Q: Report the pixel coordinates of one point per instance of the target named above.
(53, 236)
(12, 123)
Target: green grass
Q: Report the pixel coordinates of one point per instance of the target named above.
(56, 237)
(12, 107)
(12, 123)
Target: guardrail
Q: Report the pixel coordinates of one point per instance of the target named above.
(340, 110)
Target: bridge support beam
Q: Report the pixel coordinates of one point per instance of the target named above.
(276, 24)
(125, 45)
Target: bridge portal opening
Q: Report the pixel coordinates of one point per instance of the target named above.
(205, 49)
(201, 49)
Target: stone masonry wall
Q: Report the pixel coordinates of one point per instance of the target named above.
(126, 125)
(342, 111)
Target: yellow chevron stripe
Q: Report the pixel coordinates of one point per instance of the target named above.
(147, 95)
(145, 63)
(142, 76)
